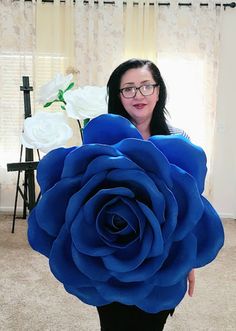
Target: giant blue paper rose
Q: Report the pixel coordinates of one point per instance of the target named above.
(123, 219)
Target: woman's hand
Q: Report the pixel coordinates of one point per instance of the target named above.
(191, 282)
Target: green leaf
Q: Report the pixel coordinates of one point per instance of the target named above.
(86, 120)
(48, 104)
(69, 87)
(60, 95)
(63, 108)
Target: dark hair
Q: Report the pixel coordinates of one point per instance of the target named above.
(158, 122)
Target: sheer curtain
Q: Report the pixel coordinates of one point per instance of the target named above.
(54, 34)
(140, 22)
(54, 48)
(99, 40)
(108, 33)
(187, 43)
(17, 35)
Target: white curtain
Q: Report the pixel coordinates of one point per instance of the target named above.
(54, 48)
(140, 22)
(188, 40)
(54, 35)
(17, 35)
(99, 36)
(40, 39)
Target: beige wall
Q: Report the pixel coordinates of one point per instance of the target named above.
(224, 171)
(224, 168)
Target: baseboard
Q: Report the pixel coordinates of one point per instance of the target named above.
(229, 215)
(10, 211)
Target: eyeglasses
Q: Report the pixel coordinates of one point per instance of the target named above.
(145, 90)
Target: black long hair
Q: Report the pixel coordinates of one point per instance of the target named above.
(158, 122)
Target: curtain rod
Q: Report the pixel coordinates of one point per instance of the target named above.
(181, 4)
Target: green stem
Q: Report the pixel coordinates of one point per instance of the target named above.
(81, 131)
(57, 100)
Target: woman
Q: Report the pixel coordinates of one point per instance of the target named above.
(137, 91)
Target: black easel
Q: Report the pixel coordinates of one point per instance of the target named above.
(28, 167)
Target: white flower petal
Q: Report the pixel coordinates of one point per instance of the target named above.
(48, 92)
(86, 102)
(46, 131)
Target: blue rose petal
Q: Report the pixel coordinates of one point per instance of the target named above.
(150, 159)
(109, 129)
(93, 205)
(157, 243)
(88, 295)
(162, 298)
(86, 239)
(171, 209)
(116, 224)
(62, 264)
(83, 156)
(38, 239)
(181, 152)
(92, 267)
(80, 197)
(126, 260)
(181, 256)
(144, 188)
(128, 293)
(106, 163)
(57, 196)
(210, 235)
(50, 167)
(190, 206)
(133, 205)
(144, 271)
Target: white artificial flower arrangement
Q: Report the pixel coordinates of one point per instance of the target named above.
(46, 130)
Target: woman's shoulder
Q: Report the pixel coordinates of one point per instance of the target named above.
(174, 130)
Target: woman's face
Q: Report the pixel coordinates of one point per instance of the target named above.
(140, 108)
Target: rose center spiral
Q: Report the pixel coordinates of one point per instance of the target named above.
(118, 223)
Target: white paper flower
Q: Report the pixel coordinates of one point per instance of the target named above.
(46, 131)
(49, 91)
(86, 102)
